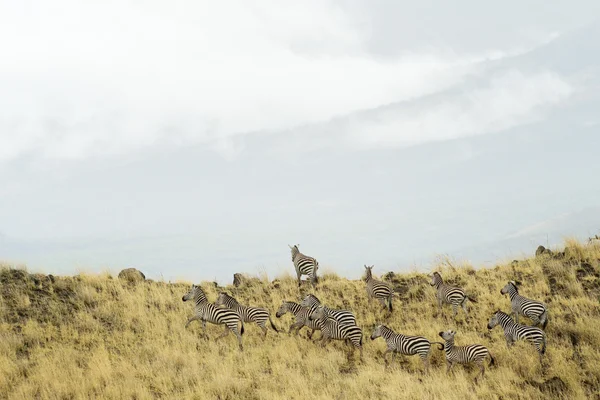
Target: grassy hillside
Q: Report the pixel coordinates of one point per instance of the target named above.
(99, 337)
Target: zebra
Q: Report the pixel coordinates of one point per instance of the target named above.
(464, 354)
(208, 312)
(247, 314)
(532, 309)
(449, 295)
(378, 290)
(304, 265)
(407, 345)
(344, 317)
(301, 313)
(514, 331)
(332, 329)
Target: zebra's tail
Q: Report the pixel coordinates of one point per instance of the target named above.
(273, 325)
(440, 343)
(492, 359)
(471, 299)
(242, 329)
(543, 348)
(544, 319)
(390, 307)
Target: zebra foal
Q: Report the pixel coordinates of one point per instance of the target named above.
(403, 344)
(447, 294)
(332, 329)
(520, 305)
(514, 331)
(304, 265)
(208, 312)
(475, 353)
(301, 313)
(344, 317)
(379, 290)
(258, 315)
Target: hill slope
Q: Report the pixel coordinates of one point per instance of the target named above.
(98, 337)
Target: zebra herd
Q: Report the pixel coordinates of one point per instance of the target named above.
(340, 324)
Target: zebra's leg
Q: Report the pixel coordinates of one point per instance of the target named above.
(464, 307)
(385, 353)
(425, 362)
(299, 274)
(454, 310)
(264, 328)
(382, 302)
(225, 332)
(297, 326)
(194, 318)
(324, 341)
(310, 334)
(481, 367)
(449, 365)
(204, 334)
(439, 301)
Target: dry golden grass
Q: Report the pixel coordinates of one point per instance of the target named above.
(97, 337)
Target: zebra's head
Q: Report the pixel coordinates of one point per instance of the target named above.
(448, 335)
(294, 249)
(506, 289)
(435, 278)
(318, 313)
(310, 300)
(369, 270)
(283, 308)
(377, 332)
(192, 293)
(221, 299)
(494, 320)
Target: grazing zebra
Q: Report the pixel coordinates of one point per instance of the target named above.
(464, 354)
(449, 295)
(304, 265)
(207, 312)
(514, 331)
(378, 290)
(407, 345)
(532, 309)
(301, 313)
(332, 329)
(247, 314)
(344, 317)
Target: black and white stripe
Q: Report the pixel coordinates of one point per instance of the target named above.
(332, 329)
(403, 344)
(344, 317)
(301, 313)
(304, 265)
(379, 290)
(447, 294)
(208, 312)
(514, 331)
(532, 309)
(258, 315)
(475, 353)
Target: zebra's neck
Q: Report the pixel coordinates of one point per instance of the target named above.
(386, 332)
(294, 308)
(504, 320)
(369, 276)
(449, 344)
(437, 282)
(295, 253)
(200, 298)
(512, 292)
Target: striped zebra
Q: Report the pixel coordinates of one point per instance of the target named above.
(304, 265)
(464, 354)
(447, 294)
(379, 290)
(332, 329)
(532, 309)
(208, 312)
(406, 345)
(514, 331)
(237, 279)
(301, 313)
(248, 314)
(344, 317)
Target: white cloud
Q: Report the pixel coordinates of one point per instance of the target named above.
(84, 79)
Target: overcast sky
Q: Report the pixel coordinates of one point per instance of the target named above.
(195, 139)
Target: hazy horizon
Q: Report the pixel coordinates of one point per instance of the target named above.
(197, 141)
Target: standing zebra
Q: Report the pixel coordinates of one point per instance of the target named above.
(207, 312)
(514, 331)
(344, 317)
(464, 354)
(246, 313)
(304, 265)
(532, 309)
(378, 290)
(332, 329)
(449, 295)
(237, 279)
(301, 313)
(407, 345)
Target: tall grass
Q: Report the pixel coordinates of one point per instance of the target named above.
(93, 336)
